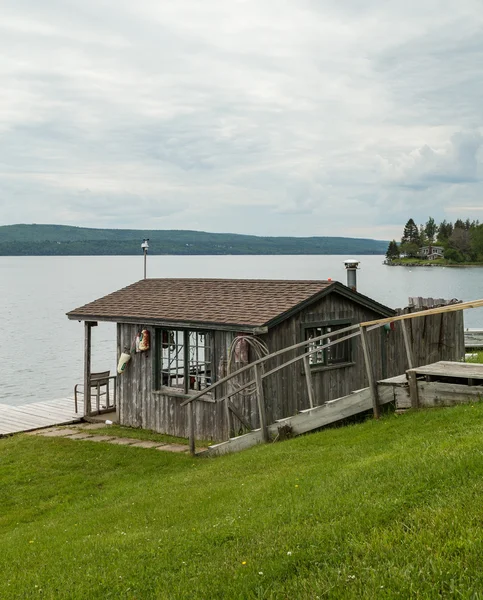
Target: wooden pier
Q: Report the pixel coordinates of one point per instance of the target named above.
(15, 419)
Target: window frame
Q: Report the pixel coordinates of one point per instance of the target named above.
(185, 390)
(329, 323)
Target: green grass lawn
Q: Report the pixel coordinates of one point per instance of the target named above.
(476, 358)
(386, 509)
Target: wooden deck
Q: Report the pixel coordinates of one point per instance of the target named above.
(15, 419)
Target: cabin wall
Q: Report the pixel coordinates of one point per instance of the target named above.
(286, 391)
(433, 338)
(140, 405)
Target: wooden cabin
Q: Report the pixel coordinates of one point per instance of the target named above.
(192, 325)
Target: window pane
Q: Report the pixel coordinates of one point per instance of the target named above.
(316, 357)
(174, 373)
(172, 358)
(335, 354)
(200, 360)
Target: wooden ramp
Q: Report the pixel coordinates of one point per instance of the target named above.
(307, 420)
(15, 419)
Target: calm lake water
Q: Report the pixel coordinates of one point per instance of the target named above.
(41, 353)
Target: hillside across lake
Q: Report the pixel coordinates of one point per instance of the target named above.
(53, 240)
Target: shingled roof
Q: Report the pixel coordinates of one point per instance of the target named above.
(240, 302)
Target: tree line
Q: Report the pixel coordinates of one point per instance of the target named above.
(462, 240)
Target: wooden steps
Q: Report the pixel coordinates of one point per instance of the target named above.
(27, 417)
(307, 420)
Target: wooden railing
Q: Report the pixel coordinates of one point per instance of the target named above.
(351, 331)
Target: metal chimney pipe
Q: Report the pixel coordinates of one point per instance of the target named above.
(351, 265)
(145, 248)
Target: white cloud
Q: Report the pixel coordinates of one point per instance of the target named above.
(259, 117)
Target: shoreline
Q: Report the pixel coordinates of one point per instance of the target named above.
(430, 264)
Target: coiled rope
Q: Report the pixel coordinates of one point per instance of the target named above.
(258, 348)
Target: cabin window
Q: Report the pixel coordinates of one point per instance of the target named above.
(338, 354)
(184, 359)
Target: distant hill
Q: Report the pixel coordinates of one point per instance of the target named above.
(52, 240)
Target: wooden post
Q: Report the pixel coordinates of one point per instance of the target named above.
(191, 428)
(407, 344)
(261, 403)
(308, 379)
(229, 388)
(370, 373)
(87, 366)
(413, 388)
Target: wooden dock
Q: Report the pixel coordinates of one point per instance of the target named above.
(15, 419)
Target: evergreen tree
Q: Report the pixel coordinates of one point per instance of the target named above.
(445, 231)
(431, 229)
(410, 233)
(392, 250)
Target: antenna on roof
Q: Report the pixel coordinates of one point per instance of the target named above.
(145, 247)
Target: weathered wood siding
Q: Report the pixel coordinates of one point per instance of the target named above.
(140, 405)
(286, 391)
(434, 338)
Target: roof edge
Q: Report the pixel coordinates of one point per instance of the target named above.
(179, 324)
(343, 290)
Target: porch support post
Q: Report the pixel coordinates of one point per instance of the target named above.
(87, 365)
(191, 429)
(370, 373)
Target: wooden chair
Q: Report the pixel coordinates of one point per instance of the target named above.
(99, 383)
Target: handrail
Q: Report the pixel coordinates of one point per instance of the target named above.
(362, 328)
(366, 324)
(289, 362)
(426, 313)
(259, 361)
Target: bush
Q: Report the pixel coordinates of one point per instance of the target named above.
(454, 255)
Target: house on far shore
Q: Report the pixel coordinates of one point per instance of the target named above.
(431, 252)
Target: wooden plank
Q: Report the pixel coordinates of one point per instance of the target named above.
(39, 411)
(447, 394)
(38, 415)
(191, 427)
(446, 368)
(308, 379)
(261, 403)
(424, 313)
(398, 380)
(242, 442)
(407, 345)
(370, 373)
(413, 388)
(330, 412)
(237, 413)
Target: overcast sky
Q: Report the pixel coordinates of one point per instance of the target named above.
(307, 117)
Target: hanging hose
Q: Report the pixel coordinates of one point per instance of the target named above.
(259, 350)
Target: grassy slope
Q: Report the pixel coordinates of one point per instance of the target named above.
(388, 509)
